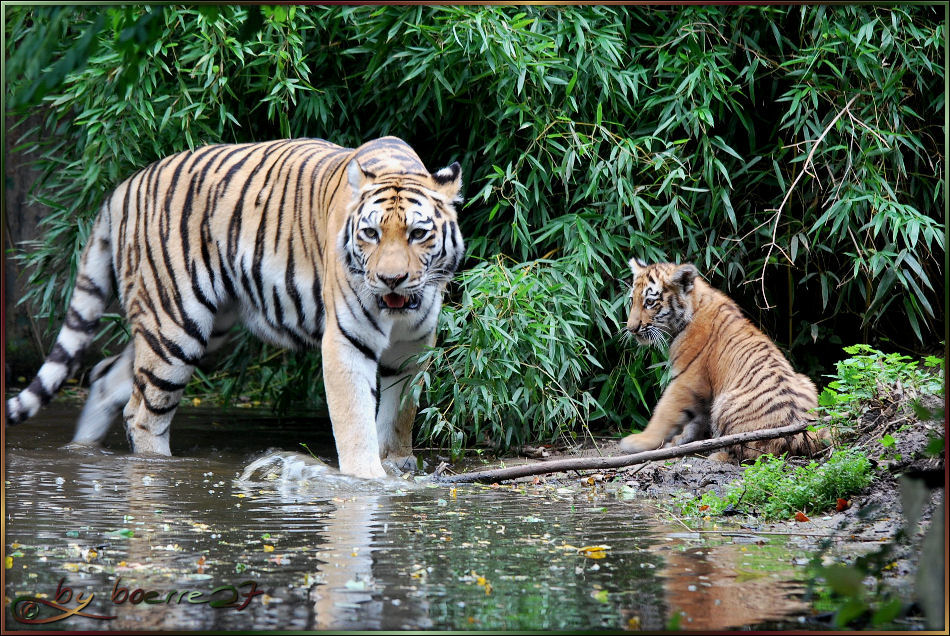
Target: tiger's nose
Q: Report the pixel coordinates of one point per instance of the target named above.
(392, 281)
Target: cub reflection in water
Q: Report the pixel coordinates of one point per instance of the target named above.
(727, 586)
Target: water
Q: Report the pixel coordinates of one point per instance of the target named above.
(277, 539)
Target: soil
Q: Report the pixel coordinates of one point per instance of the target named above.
(892, 531)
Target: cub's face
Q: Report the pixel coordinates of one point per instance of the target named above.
(402, 237)
(661, 301)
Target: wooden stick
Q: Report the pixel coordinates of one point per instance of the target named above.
(601, 463)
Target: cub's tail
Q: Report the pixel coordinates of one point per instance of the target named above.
(90, 295)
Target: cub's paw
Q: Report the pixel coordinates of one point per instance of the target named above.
(639, 442)
(721, 456)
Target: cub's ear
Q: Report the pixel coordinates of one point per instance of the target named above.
(636, 266)
(684, 276)
(448, 182)
(357, 175)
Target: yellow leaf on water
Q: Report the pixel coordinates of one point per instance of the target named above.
(268, 548)
(481, 581)
(593, 548)
(9, 562)
(594, 551)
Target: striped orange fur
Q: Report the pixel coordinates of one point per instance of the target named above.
(727, 376)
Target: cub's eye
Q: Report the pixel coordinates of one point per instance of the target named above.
(418, 234)
(649, 302)
(369, 234)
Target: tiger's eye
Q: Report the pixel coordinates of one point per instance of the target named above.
(418, 234)
(369, 234)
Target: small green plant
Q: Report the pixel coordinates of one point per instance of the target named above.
(889, 442)
(870, 376)
(772, 489)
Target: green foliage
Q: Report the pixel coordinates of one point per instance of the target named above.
(587, 134)
(512, 367)
(774, 490)
(870, 376)
(253, 373)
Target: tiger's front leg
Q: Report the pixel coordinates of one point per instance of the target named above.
(676, 408)
(397, 409)
(349, 375)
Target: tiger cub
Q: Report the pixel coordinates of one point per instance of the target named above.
(307, 243)
(728, 377)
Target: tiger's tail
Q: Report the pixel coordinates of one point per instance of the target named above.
(91, 294)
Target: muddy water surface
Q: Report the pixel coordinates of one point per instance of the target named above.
(230, 535)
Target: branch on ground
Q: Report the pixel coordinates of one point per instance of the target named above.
(602, 463)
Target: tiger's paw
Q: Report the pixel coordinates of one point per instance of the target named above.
(399, 465)
(639, 442)
(368, 470)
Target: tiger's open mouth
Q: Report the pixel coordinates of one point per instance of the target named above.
(397, 302)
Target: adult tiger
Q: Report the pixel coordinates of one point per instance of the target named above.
(307, 243)
(728, 377)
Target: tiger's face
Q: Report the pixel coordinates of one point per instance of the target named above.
(661, 301)
(402, 239)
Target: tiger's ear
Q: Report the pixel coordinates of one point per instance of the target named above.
(448, 182)
(357, 175)
(636, 266)
(684, 277)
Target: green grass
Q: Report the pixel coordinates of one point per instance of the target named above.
(771, 489)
